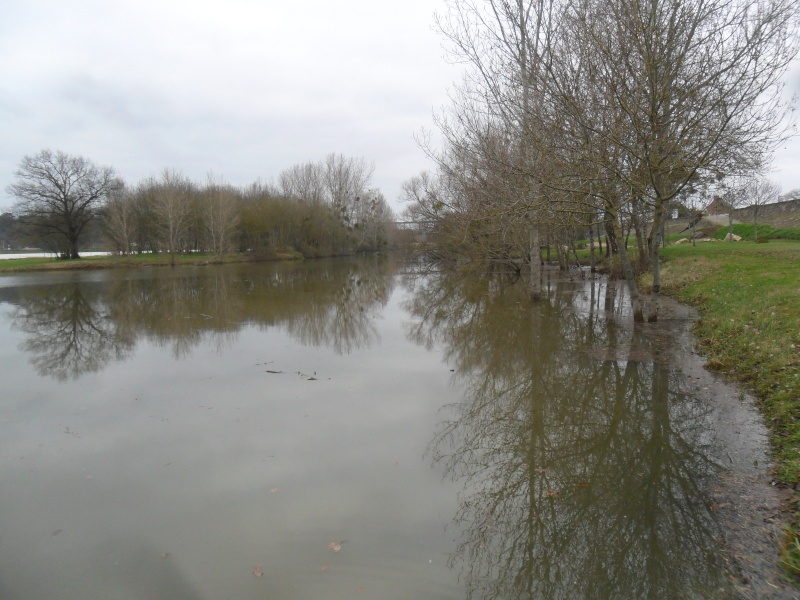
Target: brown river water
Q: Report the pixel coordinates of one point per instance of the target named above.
(368, 429)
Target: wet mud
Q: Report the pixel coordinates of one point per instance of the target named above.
(751, 509)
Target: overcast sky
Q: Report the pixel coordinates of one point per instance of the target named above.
(241, 88)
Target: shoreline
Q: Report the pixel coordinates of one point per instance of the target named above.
(751, 508)
(23, 265)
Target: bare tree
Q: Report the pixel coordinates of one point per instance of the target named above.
(371, 219)
(426, 197)
(733, 196)
(338, 181)
(760, 192)
(680, 89)
(506, 44)
(303, 182)
(220, 215)
(618, 105)
(346, 181)
(58, 196)
(120, 221)
(172, 209)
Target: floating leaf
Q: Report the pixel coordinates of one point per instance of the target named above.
(164, 554)
(258, 571)
(336, 546)
(274, 490)
(551, 493)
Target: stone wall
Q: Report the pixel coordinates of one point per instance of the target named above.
(780, 214)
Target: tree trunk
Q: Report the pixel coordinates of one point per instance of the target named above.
(638, 224)
(575, 253)
(652, 315)
(73, 249)
(630, 278)
(654, 241)
(611, 233)
(536, 264)
(563, 258)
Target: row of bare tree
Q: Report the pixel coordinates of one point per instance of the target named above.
(596, 115)
(323, 208)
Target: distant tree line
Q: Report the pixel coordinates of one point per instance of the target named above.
(323, 208)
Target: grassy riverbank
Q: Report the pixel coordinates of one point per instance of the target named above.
(749, 298)
(17, 265)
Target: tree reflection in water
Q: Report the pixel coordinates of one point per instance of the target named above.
(68, 330)
(585, 465)
(79, 327)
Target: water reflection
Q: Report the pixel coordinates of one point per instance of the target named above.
(585, 465)
(78, 326)
(68, 330)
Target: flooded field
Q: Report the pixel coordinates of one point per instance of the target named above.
(357, 429)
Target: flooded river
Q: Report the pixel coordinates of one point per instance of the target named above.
(359, 429)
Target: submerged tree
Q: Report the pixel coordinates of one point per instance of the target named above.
(607, 110)
(697, 88)
(58, 196)
(496, 154)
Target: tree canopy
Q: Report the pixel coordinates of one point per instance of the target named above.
(58, 195)
(579, 114)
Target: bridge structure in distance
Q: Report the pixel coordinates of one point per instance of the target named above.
(415, 225)
(420, 229)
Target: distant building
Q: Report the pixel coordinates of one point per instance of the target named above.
(717, 207)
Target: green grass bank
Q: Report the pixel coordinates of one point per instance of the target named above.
(748, 296)
(18, 265)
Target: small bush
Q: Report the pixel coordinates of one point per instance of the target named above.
(788, 233)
